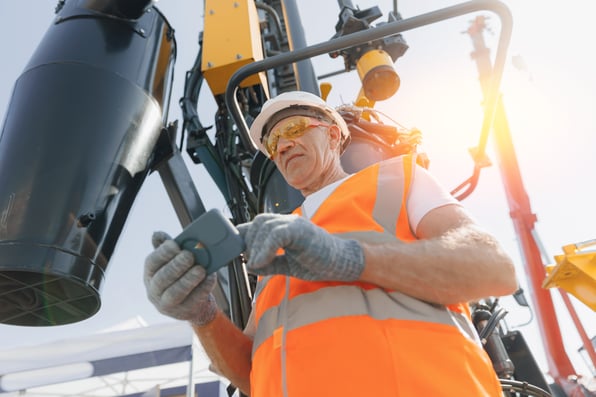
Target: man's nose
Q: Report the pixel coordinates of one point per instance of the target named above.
(284, 144)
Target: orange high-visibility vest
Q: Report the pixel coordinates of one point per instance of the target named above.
(357, 339)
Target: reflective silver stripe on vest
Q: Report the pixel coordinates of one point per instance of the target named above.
(341, 301)
(283, 321)
(261, 282)
(370, 236)
(390, 193)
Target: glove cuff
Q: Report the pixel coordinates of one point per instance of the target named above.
(352, 261)
(206, 313)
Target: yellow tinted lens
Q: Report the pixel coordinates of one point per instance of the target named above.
(290, 128)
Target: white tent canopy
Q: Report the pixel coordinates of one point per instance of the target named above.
(108, 364)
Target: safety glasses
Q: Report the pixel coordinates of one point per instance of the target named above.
(290, 128)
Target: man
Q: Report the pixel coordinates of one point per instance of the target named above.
(362, 291)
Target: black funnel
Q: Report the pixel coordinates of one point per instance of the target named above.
(75, 147)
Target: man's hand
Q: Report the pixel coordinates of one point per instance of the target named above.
(310, 252)
(176, 285)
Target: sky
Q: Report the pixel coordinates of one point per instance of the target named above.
(549, 93)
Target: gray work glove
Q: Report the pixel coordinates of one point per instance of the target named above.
(311, 253)
(176, 285)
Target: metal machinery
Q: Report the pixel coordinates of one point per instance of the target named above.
(52, 263)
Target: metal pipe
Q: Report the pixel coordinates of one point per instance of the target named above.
(305, 74)
(377, 33)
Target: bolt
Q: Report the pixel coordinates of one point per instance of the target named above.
(85, 219)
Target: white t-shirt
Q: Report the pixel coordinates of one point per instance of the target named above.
(426, 194)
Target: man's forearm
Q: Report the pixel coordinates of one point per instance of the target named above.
(463, 265)
(228, 349)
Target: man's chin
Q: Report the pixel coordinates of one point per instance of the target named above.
(297, 181)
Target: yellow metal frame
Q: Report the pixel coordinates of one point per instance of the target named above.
(231, 39)
(575, 272)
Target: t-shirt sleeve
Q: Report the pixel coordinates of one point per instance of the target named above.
(426, 194)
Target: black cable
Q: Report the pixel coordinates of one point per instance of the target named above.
(492, 323)
(493, 305)
(278, 37)
(189, 101)
(271, 11)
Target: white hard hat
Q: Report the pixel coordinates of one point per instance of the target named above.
(288, 100)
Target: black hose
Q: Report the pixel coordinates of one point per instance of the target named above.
(190, 99)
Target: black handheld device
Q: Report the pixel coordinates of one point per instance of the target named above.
(213, 240)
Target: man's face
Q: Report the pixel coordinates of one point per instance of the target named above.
(302, 150)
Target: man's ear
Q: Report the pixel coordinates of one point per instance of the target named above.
(334, 136)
